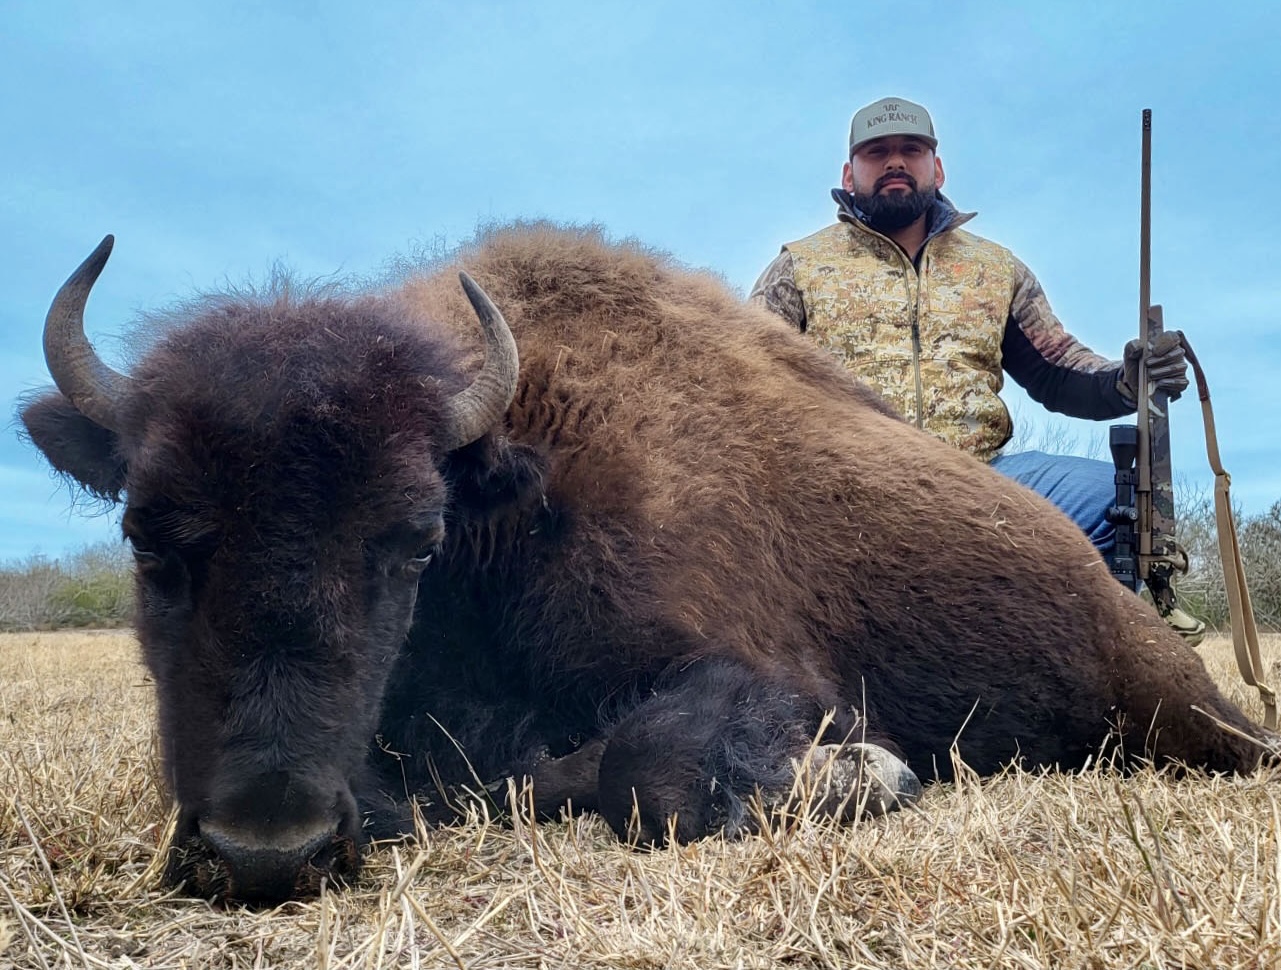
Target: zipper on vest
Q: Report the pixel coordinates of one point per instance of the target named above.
(914, 315)
(916, 360)
(921, 267)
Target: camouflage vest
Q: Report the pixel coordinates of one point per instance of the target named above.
(930, 342)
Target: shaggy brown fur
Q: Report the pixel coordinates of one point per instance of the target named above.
(763, 504)
(692, 535)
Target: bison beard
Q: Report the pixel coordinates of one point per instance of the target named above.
(639, 575)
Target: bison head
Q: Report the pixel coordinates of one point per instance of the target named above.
(282, 464)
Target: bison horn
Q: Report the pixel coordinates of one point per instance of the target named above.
(472, 412)
(94, 388)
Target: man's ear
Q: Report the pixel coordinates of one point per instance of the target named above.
(847, 178)
(74, 445)
(939, 177)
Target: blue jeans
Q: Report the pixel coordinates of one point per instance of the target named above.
(1084, 488)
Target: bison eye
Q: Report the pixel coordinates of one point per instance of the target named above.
(143, 554)
(418, 563)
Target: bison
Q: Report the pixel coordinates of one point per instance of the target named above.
(644, 549)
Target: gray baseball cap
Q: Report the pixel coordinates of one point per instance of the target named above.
(891, 116)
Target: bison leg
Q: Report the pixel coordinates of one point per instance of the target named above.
(556, 783)
(568, 782)
(689, 759)
(849, 781)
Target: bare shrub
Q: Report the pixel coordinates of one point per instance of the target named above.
(90, 588)
(98, 590)
(26, 594)
(1056, 435)
(1202, 590)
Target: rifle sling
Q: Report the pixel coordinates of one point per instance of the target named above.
(1245, 634)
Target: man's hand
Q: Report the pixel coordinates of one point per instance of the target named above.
(1167, 368)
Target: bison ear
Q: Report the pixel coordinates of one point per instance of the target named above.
(491, 473)
(74, 445)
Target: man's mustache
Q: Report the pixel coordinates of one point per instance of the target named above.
(889, 177)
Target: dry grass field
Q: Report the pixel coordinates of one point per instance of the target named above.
(1026, 870)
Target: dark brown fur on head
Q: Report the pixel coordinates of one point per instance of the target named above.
(281, 471)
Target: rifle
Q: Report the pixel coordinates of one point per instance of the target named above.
(1159, 556)
(1146, 552)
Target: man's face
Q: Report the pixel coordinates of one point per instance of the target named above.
(893, 180)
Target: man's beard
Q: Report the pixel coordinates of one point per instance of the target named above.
(894, 210)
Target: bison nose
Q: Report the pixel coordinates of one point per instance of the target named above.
(276, 838)
(274, 869)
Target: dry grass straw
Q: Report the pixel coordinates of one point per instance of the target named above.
(1026, 870)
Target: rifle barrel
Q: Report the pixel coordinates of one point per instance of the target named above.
(1143, 488)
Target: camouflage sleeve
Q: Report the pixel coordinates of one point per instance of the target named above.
(1031, 311)
(776, 291)
(1056, 369)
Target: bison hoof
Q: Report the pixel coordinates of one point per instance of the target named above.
(849, 781)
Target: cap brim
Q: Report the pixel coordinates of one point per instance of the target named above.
(889, 131)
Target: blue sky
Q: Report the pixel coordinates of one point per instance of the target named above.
(217, 139)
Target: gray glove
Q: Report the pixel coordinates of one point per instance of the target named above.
(1167, 367)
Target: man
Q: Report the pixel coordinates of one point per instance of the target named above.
(931, 315)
